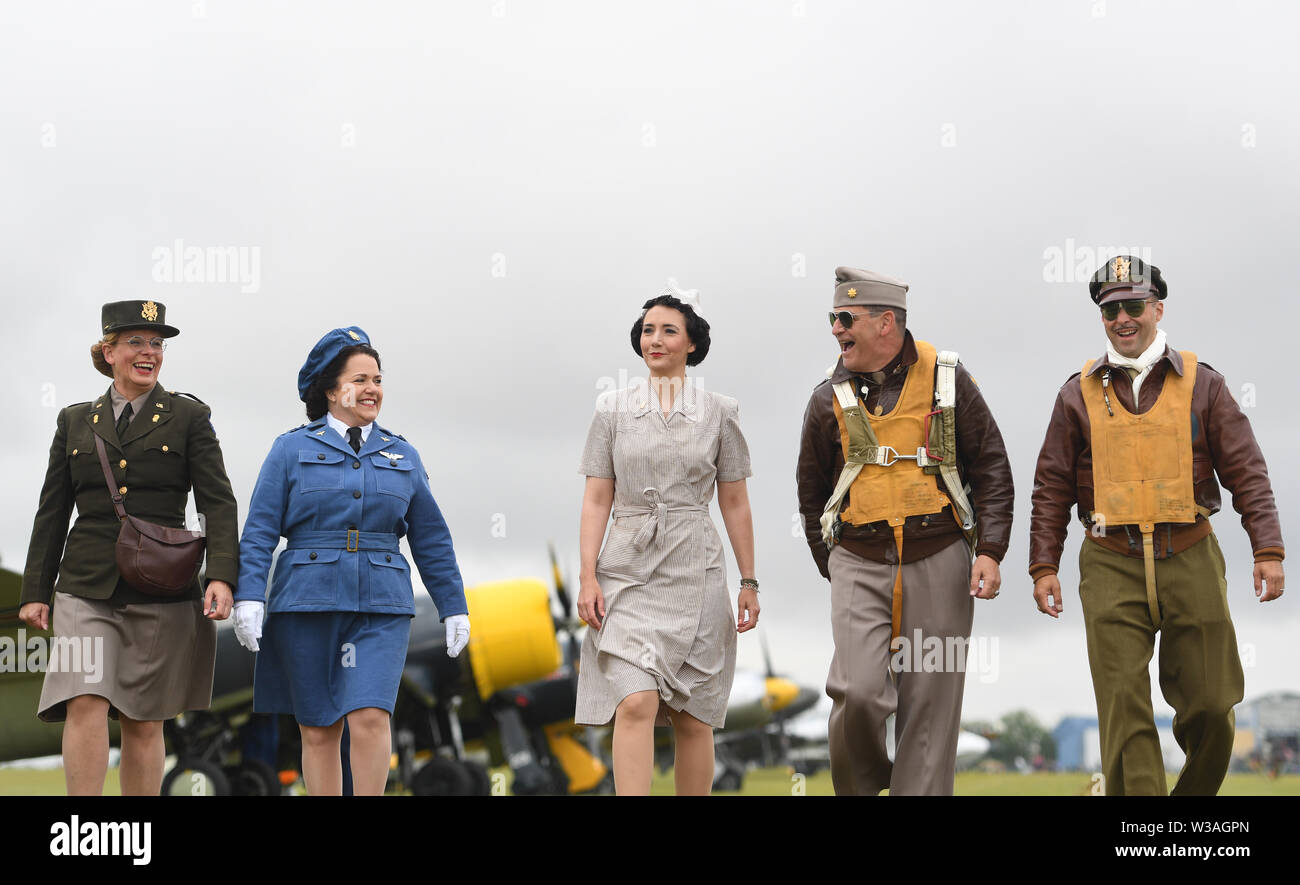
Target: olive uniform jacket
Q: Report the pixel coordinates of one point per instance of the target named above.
(168, 448)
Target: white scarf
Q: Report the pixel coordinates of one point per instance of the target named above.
(1142, 362)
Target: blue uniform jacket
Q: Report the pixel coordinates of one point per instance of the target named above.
(342, 513)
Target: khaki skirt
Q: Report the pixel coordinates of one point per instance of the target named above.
(151, 661)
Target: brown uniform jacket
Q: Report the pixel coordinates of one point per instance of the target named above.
(1222, 443)
(168, 448)
(981, 461)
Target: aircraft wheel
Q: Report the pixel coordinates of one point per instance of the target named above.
(729, 782)
(253, 777)
(443, 777)
(195, 777)
(481, 779)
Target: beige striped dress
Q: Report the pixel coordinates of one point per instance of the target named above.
(669, 625)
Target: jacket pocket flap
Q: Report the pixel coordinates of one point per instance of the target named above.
(389, 464)
(388, 560)
(315, 556)
(315, 456)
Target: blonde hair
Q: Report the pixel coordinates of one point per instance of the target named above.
(97, 353)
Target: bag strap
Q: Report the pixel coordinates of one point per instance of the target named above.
(108, 479)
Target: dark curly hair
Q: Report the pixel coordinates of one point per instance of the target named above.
(697, 328)
(317, 403)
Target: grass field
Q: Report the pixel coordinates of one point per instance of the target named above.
(776, 782)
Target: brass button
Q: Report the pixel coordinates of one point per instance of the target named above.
(320, 457)
(312, 556)
(356, 494)
(165, 448)
(122, 490)
(74, 451)
(122, 463)
(356, 464)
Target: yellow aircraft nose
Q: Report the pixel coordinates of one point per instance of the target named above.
(780, 693)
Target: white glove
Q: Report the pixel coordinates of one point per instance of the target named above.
(248, 622)
(457, 634)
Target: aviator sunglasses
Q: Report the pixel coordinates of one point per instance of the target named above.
(846, 319)
(1134, 307)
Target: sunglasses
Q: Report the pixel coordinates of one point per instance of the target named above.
(1134, 307)
(846, 319)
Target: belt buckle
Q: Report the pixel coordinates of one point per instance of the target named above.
(354, 540)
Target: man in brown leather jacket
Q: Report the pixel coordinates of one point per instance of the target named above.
(884, 615)
(1143, 480)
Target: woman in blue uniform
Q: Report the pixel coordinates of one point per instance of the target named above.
(342, 490)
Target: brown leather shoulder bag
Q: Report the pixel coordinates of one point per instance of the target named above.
(152, 558)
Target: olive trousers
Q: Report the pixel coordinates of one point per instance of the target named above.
(1200, 671)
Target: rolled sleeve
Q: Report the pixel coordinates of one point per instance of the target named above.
(733, 451)
(598, 453)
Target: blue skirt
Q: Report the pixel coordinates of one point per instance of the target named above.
(320, 666)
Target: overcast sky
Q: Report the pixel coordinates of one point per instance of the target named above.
(491, 189)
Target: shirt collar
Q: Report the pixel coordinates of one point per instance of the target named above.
(342, 429)
(684, 404)
(120, 401)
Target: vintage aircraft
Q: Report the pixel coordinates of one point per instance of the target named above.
(508, 701)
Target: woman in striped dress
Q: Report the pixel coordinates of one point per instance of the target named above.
(662, 646)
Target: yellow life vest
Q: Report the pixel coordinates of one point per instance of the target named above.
(1142, 464)
(891, 471)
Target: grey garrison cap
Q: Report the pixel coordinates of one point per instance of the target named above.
(855, 286)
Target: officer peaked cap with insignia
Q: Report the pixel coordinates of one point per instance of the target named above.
(854, 286)
(118, 315)
(325, 350)
(1122, 276)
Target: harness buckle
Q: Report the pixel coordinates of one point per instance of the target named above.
(354, 540)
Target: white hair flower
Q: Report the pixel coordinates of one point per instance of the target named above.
(686, 296)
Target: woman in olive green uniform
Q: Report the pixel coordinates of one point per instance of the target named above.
(141, 659)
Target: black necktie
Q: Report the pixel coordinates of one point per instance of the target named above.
(354, 438)
(123, 422)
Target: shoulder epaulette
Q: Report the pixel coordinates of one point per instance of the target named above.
(292, 429)
(188, 395)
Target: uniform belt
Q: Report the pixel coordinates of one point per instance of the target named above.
(1174, 538)
(658, 511)
(350, 540)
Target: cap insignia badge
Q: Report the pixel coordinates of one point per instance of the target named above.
(149, 311)
(355, 336)
(1120, 270)
(853, 293)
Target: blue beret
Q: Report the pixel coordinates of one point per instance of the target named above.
(325, 350)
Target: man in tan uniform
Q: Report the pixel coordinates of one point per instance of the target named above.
(927, 482)
(1135, 442)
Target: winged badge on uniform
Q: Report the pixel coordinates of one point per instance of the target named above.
(391, 456)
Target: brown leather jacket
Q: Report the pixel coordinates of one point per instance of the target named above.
(1222, 443)
(981, 456)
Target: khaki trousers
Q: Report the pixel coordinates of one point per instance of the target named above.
(865, 689)
(1200, 671)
